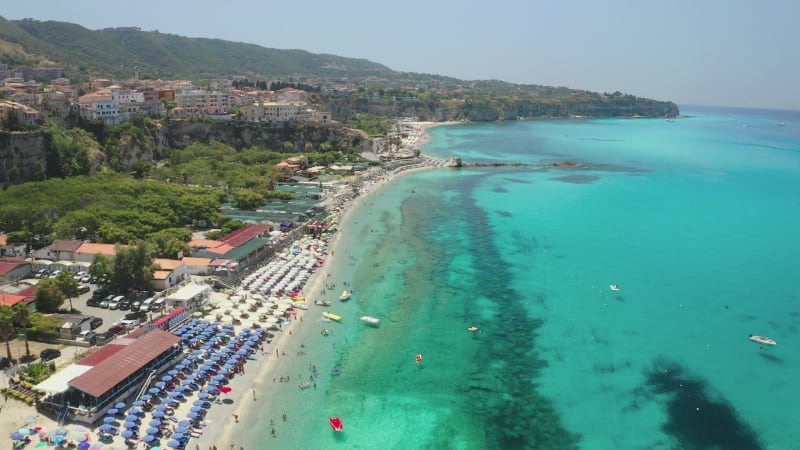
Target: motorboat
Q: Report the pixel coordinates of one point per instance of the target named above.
(614, 287)
(762, 340)
(304, 385)
(322, 303)
(332, 316)
(371, 320)
(473, 328)
(345, 296)
(336, 423)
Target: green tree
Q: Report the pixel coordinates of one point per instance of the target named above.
(7, 332)
(23, 320)
(68, 286)
(248, 199)
(49, 297)
(101, 269)
(132, 268)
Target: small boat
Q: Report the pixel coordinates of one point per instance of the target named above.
(336, 423)
(371, 320)
(332, 316)
(762, 340)
(304, 385)
(324, 332)
(473, 328)
(614, 287)
(781, 124)
(345, 296)
(418, 359)
(322, 303)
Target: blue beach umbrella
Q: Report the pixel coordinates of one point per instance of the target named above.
(145, 397)
(113, 411)
(160, 384)
(107, 428)
(131, 418)
(174, 444)
(181, 430)
(179, 437)
(195, 409)
(202, 395)
(135, 412)
(154, 391)
(149, 438)
(17, 436)
(120, 405)
(130, 425)
(161, 408)
(158, 414)
(138, 403)
(166, 378)
(193, 415)
(184, 423)
(173, 372)
(153, 431)
(155, 423)
(61, 431)
(127, 434)
(58, 439)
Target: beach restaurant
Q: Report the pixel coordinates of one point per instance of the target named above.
(84, 391)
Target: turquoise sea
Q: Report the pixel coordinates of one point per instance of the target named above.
(696, 220)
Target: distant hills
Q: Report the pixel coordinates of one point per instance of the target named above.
(115, 52)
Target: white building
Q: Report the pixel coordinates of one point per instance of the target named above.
(273, 112)
(202, 99)
(100, 106)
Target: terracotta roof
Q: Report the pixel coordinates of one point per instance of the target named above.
(244, 234)
(12, 299)
(168, 264)
(93, 249)
(124, 363)
(62, 245)
(9, 264)
(161, 274)
(193, 261)
(102, 354)
(221, 250)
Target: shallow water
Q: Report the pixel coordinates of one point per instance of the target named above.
(695, 219)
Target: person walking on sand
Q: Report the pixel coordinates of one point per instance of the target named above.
(235, 417)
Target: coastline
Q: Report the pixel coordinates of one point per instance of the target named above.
(286, 354)
(229, 422)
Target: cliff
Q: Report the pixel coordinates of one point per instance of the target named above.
(23, 157)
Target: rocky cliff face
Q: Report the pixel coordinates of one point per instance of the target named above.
(475, 112)
(22, 154)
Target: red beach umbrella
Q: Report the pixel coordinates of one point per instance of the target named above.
(225, 389)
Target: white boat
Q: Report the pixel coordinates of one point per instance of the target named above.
(371, 320)
(614, 287)
(762, 340)
(322, 303)
(345, 296)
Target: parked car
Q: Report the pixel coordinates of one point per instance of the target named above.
(129, 323)
(135, 304)
(107, 301)
(103, 338)
(158, 304)
(140, 316)
(114, 304)
(43, 273)
(125, 304)
(116, 329)
(87, 336)
(93, 302)
(78, 276)
(145, 306)
(55, 274)
(86, 278)
(95, 322)
(50, 354)
(100, 293)
(83, 289)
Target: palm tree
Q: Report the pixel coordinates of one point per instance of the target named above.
(7, 332)
(22, 318)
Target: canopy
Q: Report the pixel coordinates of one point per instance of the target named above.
(59, 382)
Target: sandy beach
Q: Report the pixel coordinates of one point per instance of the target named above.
(283, 357)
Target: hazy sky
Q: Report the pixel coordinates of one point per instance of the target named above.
(710, 52)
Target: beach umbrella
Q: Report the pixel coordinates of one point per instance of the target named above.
(30, 420)
(154, 391)
(113, 411)
(148, 438)
(82, 438)
(58, 439)
(225, 389)
(131, 418)
(193, 415)
(137, 403)
(195, 409)
(184, 423)
(155, 422)
(153, 430)
(84, 445)
(135, 412)
(109, 420)
(17, 436)
(202, 395)
(179, 437)
(173, 372)
(120, 405)
(25, 431)
(130, 425)
(166, 378)
(107, 428)
(160, 384)
(61, 431)
(127, 434)
(158, 414)
(214, 382)
(174, 444)
(181, 430)
(161, 408)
